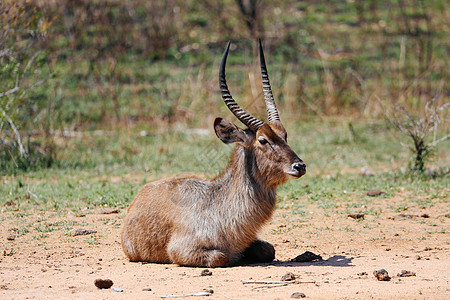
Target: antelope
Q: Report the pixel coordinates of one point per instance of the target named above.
(194, 222)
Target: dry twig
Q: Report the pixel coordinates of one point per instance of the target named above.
(203, 293)
(276, 281)
(273, 284)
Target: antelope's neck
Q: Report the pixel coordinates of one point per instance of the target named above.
(241, 181)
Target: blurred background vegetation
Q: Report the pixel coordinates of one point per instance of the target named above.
(76, 66)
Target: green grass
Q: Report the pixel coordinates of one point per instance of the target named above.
(94, 83)
(108, 171)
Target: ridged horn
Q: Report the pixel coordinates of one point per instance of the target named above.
(241, 114)
(272, 112)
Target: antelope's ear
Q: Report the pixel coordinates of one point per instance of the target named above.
(229, 133)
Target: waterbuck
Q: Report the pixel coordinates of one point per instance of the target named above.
(194, 222)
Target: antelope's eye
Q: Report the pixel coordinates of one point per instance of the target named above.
(262, 140)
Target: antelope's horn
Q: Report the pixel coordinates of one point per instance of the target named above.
(241, 114)
(272, 112)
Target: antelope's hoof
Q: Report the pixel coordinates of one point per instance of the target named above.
(259, 251)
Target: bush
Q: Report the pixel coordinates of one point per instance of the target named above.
(419, 129)
(25, 108)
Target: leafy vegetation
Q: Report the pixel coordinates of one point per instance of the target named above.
(99, 97)
(104, 171)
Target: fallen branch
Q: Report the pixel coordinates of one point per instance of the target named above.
(276, 282)
(268, 286)
(204, 293)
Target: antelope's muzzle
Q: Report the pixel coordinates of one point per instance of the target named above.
(297, 169)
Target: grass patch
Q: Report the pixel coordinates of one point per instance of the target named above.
(110, 174)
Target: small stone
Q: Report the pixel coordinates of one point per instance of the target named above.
(206, 272)
(362, 274)
(116, 289)
(288, 277)
(109, 211)
(307, 257)
(81, 231)
(381, 275)
(366, 171)
(103, 283)
(425, 216)
(10, 238)
(405, 273)
(356, 216)
(373, 193)
(147, 289)
(298, 295)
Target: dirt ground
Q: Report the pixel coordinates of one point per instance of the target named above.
(58, 265)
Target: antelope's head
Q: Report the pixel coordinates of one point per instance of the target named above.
(275, 161)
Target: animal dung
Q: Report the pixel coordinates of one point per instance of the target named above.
(103, 283)
(307, 257)
(381, 275)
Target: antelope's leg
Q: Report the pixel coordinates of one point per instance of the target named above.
(186, 254)
(259, 251)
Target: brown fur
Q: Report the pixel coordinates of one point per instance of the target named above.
(214, 223)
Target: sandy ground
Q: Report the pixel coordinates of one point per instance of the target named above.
(58, 265)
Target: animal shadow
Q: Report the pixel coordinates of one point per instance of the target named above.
(333, 261)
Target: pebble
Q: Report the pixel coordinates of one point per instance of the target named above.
(373, 193)
(405, 273)
(288, 277)
(81, 231)
(298, 295)
(206, 272)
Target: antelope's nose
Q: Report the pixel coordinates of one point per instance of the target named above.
(299, 168)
